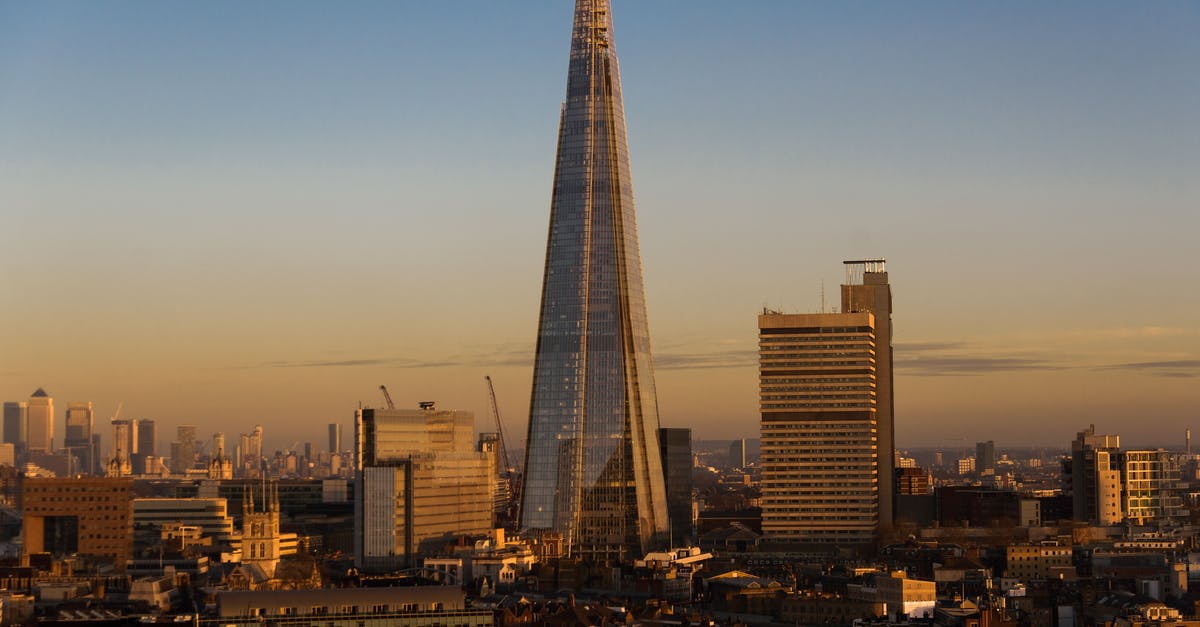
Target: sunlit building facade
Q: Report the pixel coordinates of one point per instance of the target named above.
(592, 469)
(39, 415)
(820, 437)
(419, 479)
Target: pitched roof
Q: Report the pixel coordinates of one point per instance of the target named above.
(40, 393)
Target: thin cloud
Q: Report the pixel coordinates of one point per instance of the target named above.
(970, 365)
(720, 359)
(927, 347)
(1175, 368)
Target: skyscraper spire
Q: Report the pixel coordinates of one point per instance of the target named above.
(592, 468)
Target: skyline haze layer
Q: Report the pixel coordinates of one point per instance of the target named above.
(225, 215)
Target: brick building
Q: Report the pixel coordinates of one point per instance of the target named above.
(88, 516)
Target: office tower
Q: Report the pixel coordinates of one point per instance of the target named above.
(146, 439)
(867, 290)
(39, 412)
(591, 472)
(183, 449)
(737, 453)
(985, 457)
(675, 448)
(335, 437)
(250, 462)
(16, 425)
(121, 464)
(78, 437)
(820, 444)
(91, 516)
(1096, 477)
(419, 479)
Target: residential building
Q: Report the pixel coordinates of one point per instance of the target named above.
(591, 472)
(1150, 487)
(1096, 478)
(365, 607)
(1027, 562)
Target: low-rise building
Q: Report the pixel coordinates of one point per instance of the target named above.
(1027, 562)
(368, 607)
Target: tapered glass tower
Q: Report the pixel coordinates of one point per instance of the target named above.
(592, 469)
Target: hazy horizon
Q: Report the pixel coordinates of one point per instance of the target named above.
(226, 215)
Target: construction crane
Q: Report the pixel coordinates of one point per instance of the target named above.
(387, 397)
(499, 424)
(120, 404)
(510, 474)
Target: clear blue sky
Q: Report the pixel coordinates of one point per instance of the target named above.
(227, 213)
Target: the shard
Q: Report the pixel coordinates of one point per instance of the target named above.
(592, 467)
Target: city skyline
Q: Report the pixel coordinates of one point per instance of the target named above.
(195, 230)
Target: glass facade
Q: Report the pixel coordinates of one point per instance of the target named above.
(420, 480)
(592, 470)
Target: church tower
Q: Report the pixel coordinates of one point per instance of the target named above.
(260, 530)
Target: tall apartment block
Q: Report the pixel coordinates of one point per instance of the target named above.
(1150, 487)
(825, 389)
(39, 415)
(1096, 478)
(419, 478)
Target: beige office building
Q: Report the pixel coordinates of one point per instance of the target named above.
(820, 480)
(420, 480)
(39, 413)
(826, 478)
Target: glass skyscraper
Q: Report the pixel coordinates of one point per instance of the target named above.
(592, 468)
